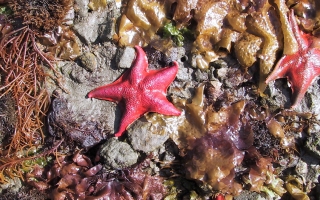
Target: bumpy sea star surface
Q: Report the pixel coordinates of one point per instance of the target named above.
(300, 68)
(139, 90)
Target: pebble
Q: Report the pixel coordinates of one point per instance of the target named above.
(88, 61)
(117, 154)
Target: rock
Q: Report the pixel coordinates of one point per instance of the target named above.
(311, 100)
(68, 19)
(313, 173)
(85, 121)
(13, 185)
(125, 57)
(65, 123)
(302, 169)
(248, 195)
(117, 155)
(88, 61)
(176, 54)
(89, 26)
(313, 144)
(181, 89)
(81, 8)
(279, 93)
(107, 30)
(97, 24)
(144, 137)
(8, 117)
(201, 75)
(221, 73)
(184, 74)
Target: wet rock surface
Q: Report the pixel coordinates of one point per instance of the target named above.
(90, 123)
(7, 116)
(117, 155)
(144, 137)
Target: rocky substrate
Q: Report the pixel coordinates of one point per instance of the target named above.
(89, 124)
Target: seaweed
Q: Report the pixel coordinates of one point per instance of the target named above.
(76, 177)
(41, 15)
(22, 79)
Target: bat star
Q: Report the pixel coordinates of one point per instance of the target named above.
(300, 68)
(139, 90)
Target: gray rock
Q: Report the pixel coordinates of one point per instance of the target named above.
(182, 89)
(13, 185)
(69, 18)
(302, 168)
(313, 144)
(311, 100)
(117, 155)
(279, 93)
(143, 136)
(176, 53)
(313, 173)
(218, 64)
(85, 121)
(221, 73)
(81, 7)
(125, 57)
(108, 29)
(248, 195)
(184, 74)
(89, 26)
(201, 75)
(65, 121)
(194, 60)
(97, 24)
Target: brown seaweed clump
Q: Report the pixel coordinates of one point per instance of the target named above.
(76, 177)
(220, 150)
(23, 78)
(216, 157)
(41, 15)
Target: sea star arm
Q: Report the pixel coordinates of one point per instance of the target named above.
(160, 104)
(300, 84)
(302, 39)
(109, 92)
(161, 78)
(131, 113)
(140, 66)
(282, 67)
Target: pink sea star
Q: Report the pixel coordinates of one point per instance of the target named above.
(302, 67)
(139, 90)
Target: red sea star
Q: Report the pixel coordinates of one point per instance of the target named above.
(302, 67)
(139, 90)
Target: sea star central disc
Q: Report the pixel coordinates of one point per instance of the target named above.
(139, 90)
